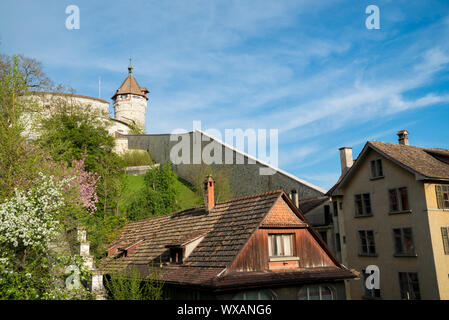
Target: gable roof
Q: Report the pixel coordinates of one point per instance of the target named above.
(310, 204)
(225, 229)
(424, 163)
(130, 86)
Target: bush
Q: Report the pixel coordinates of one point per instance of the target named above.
(137, 158)
(129, 286)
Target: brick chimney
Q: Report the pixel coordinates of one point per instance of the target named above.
(403, 137)
(294, 197)
(346, 159)
(209, 185)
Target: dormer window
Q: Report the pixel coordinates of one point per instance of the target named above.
(376, 169)
(176, 255)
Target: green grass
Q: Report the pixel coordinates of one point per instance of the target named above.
(186, 198)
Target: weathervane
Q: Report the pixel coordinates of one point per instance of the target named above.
(130, 67)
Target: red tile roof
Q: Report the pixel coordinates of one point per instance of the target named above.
(226, 228)
(130, 86)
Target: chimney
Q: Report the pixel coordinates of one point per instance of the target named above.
(403, 137)
(294, 197)
(209, 200)
(346, 159)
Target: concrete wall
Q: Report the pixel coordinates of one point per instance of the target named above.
(382, 223)
(437, 219)
(244, 179)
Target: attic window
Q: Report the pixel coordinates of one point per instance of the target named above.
(280, 245)
(376, 169)
(176, 254)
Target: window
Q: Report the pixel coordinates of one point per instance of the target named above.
(255, 295)
(280, 245)
(337, 242)
(323, 235)
(442, 193)
(398, 200)
(409, 284)
(367, 247)
(335, 205)
(362, 205)
(327, 215)
(376, 169)
(369, 293)
(176, 255)
(445, 234)
(315, 293)
(403, 241)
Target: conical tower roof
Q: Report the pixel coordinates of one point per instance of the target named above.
(130, 86)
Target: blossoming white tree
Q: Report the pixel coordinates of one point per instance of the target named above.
(29, 268)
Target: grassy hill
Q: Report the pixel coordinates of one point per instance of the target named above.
(186, 197)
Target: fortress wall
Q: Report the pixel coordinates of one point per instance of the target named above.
(46, 99)
(244, 178)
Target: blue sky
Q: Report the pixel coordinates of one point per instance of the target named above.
(310, 69)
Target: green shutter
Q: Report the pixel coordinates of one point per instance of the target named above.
(444, 233)
(439, 193)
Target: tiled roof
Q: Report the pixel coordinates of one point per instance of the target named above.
(431, 163)
(130, 86)
(309, 204)
(291, 277)
(428, 162)
(227, 227)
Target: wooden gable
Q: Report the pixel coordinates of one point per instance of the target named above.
(284, 218)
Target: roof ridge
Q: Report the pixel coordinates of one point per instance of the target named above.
(253, 196)
(203, 207)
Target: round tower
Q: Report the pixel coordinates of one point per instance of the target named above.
(130, 101)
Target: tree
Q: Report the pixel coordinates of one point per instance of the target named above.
(18, 159)
(31, 69)
(72, 132)
(158, 195)
(30, 267)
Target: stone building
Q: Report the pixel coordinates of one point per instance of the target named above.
(393, 212)
(322, 215)
(129, 102)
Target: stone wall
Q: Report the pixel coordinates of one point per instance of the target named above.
(131, 109)
(244, 179)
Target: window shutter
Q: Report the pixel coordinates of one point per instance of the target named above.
(439, 194)
(444, 233)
